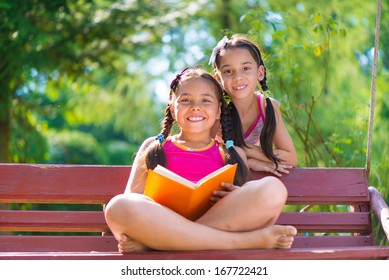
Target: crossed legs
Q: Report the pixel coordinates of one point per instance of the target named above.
(241, 220)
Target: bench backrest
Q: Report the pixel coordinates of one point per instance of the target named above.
(338, 189)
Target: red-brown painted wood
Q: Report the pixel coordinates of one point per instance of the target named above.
(108, 243)
(93, 221)
(336, 253)
(87, 184)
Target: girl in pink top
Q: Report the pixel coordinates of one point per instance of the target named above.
(239, 67)
(239, 219)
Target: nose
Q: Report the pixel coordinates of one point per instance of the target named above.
(237, 77)
(195, 106)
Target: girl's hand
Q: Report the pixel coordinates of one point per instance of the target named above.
(257, 165)
(227, 188)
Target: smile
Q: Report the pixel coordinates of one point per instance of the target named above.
(239, 87)
(196, 119)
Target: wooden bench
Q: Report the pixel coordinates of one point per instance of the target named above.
(322, 235)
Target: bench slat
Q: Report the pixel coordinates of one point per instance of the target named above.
(324, 185)
(93, 221)
(336, 253)
(97, 184)
(109, 244)
(53, 221)
(69, 184)
(327, 221)
(27, 243)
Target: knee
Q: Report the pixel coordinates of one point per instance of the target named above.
(275, 190)
(121, 207)
(271, 191)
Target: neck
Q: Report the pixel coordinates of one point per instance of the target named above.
(246, 106)
(193, 141)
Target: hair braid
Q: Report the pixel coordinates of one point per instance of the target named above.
(267, 134)
(269, 127)
(155, 154)
(232, 155)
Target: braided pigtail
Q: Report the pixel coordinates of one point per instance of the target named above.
(237, 125)
(155, 154)
(269, 126)
(232, 156)
(267, 134)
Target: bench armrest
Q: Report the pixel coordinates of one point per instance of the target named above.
(380, 209)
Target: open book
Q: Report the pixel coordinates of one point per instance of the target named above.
(183, 196)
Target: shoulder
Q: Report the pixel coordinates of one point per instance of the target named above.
(146, 143)
(275, 102)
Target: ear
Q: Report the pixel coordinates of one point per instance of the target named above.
(171, 107)
(218, 117)
(261, 73)
(217, 76)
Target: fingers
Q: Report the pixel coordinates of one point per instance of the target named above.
(257, 165)
(227, 188)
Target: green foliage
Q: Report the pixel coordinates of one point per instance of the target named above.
(77, 76)
(320, 69)
(73, 147)
(297, 39)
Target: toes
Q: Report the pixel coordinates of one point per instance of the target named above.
(292, 230)
(285, 241)
(124, 238)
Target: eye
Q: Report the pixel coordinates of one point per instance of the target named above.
(227, 71)
(184, 100)
(246, 68)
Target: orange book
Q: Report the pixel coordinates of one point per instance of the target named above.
(189, 199)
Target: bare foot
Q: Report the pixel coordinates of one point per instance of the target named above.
(126, 244)
(276, 236)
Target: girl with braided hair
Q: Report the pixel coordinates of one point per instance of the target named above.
(239, 67)
(236, 220)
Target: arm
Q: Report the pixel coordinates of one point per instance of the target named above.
(136, 181)
(284, 147)
(227, 188)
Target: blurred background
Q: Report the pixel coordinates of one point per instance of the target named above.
(85, 81)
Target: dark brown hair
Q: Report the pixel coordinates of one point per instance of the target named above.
(155, 154)
(269, 126)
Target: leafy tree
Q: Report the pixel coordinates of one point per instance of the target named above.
(45, 43)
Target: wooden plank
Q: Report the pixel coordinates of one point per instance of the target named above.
(30, 243)
(324, 185)
(380, 209)
(327, 221)
(108, 243)
(97, 184)
(77, 184)
(53, 221)
(333, 241)
(94, 221)
(341, 253)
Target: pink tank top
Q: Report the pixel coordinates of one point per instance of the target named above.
(254, 132)
(193, 164)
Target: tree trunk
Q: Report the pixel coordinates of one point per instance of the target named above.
(5, 126)
(5, 114)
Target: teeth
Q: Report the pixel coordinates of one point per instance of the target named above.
(195, 119)
(240, 87)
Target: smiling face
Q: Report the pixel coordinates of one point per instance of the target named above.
(195, 105)
(238, 72)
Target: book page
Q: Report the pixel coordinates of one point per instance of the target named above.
(170, 174)
(214, 173)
